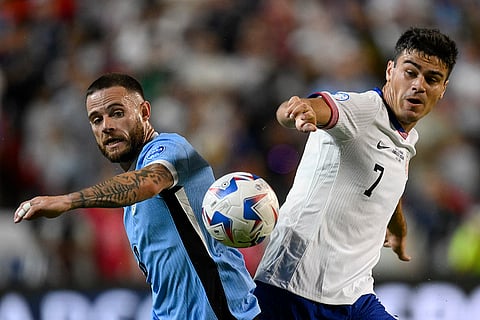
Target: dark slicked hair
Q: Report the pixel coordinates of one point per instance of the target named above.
(113, 80)
(429, 42)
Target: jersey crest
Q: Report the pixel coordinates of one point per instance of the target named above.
(341, 96)
(152, 154)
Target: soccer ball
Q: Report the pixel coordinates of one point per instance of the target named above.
(240, 209)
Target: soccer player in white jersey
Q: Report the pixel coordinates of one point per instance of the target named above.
(192, 276)
(345, 200)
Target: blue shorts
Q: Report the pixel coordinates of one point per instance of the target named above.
(277, 304)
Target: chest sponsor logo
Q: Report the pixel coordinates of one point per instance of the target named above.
(382, 146)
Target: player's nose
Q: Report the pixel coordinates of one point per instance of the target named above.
(418, 84)
(107, 124)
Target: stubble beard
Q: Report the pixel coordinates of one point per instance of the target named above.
(134, 145)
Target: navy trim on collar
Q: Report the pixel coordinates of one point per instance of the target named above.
(391, 115)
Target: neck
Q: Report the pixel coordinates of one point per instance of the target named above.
(388, 100)
(387, 96)
(150, 134)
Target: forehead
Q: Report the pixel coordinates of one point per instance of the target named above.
(109, 96)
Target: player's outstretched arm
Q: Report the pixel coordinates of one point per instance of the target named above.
(303, 114)
(122, 190)
(396, 236)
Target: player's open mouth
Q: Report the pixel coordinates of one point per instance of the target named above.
(415, 101)
(112, 142)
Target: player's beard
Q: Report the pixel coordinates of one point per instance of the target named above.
(132, 149)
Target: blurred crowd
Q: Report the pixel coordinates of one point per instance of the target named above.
(215, 71)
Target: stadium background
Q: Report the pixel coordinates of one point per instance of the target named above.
(215, 71)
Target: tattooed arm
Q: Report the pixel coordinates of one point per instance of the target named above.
(124, 189)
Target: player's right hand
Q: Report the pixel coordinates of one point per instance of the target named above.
(45, 206)
(303, 114)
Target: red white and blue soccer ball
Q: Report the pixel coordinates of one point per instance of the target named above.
(240, 209)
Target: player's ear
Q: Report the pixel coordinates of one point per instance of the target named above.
(145, 110)
(444, 89)
(389, 70)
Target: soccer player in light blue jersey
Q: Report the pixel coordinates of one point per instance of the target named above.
(191, 275)
(346, 193)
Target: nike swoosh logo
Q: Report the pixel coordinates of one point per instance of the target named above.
(381, 146)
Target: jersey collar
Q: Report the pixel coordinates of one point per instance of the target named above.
(393, 119)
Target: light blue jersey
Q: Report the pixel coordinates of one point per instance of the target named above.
(192, 276)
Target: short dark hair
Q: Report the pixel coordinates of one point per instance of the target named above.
(116, 79)
(430, 42)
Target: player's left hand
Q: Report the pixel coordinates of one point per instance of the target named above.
(45, 206)
(398, 245)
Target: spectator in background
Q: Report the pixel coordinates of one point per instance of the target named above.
(51, 49)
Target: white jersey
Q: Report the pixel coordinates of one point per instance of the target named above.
(332, 225)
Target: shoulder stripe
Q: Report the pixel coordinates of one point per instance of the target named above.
(170, 168)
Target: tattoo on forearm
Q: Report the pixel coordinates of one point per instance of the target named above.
(125, 189)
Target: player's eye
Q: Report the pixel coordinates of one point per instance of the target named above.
(118, 113)
(96, 120)
(432, 80)
(410, 73)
